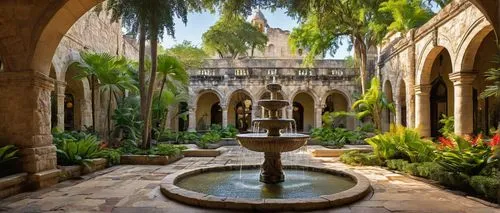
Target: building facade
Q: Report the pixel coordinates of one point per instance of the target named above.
(438, 70)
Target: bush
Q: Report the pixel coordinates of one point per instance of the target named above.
(396, 164)
(334, 137)
(425, 169)
(488, 187)
(208, 138)
(78, 152)
(402, 142)
(357, 158)
(167, 150)
(112, 155)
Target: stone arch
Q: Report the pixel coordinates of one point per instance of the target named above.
(204, 106)
(470, 45)
(303, 111)
(428, 56)
(199, 93)
(310, 92)
(340, 91)
(401, 110)
(80, 90)
(53, 26)
(264, 91)
(244, 91)
(241, 109)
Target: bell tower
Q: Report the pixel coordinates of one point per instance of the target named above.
(259, 21)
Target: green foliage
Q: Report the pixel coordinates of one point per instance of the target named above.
(208, 138)
(401, 142)
(372, 104)
(335, 137)
(232, 36)
(7, 153)
(229, 132)
(112, 155)
(188, 54)
(493, 75)
(167, 150)
(406, 14)
(357, 158)
(78, 152)
(127, 121)
(59, 136)
(448, 123)
(488, 187)
(178, 137)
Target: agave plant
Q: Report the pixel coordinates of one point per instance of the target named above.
(8, 153)
(79, 152)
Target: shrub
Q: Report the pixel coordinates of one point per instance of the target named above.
(488, 187)
(112, 155)
(208, 138)
(186, 137)
(229, 132)
(396, 164)
(402, 142)
(78, 152)
(448, 123)
(334, 137)
(167, 150)
(357, 158)
(425, 169)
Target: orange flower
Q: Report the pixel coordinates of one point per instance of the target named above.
(476, 140)
(495, 141)
(445, 142)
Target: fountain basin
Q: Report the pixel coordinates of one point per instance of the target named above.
(273, 105)
(266, 123)
(259, 142)
(307, 188)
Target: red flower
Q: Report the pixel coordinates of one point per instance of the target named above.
(495, 141)
(445, 142)
(476, 140)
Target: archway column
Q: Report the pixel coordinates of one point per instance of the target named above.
(463, 102)
(192, 119)
(422, 109)
(25, 120)
(60, 90)
(318, 122)
(224, 115)
(398, 117)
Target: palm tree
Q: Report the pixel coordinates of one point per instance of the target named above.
(372, 103)
(151, 19)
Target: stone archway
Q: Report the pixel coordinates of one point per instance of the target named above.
(337, 101)
(77, 102)
(204, 108)
(306, 101)
(387, 115)
(241, 109)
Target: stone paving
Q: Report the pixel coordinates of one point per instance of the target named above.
(130, 188)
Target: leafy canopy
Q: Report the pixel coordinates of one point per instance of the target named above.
(232, 36)
(406, 14)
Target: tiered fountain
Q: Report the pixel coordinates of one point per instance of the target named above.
(274, 142)
(238, 186)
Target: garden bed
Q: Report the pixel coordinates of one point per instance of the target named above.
(148, 159)
(194, 151)
(321, 151)
(12, 184)
(75, 171)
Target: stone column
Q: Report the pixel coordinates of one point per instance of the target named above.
(224, 116)
(422, 112)
(318, 122)
(397, 110)
(172, 110)
(463, 105)
(59, 90)
(192, 119)
(25, 122)
(411, 113)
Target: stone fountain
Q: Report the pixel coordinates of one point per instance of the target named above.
(276, 140)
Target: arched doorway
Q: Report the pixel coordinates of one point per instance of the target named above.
(402, 103)
(216, 114)
(204, 109)
(77, 101)
(306, 120)
(240, 110)
(439, 105)
(387, 114)
(298, 115)
(183, 119)
(337, 102)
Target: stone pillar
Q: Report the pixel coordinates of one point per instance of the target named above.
(422, 112)
(318, 122)
(411, 114)
(224, 116)
(463, 105)
(397, 110)
(192, 119)
(59, 90)
(172, 110)
(25, 122)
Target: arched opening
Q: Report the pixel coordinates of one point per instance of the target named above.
(53, 100)
(265, 113)
(216, 114)
(305, 122)
(76, 101)
(486, 111)
(240, 110)
(183, 119)
(441, 93)
(387, 114)
(402, 103)
(206, 102)
(337, 102)
(298, 115)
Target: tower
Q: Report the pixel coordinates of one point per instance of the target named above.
(259, 21)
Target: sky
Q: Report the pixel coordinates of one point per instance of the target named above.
(198, 23)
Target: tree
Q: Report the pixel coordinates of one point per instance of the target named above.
(325, 25)
(188, 54)
(151, 19)
(111, 74)
(372, 103)
(232, 36)
(406, 14)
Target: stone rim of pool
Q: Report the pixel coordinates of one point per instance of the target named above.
(171, 190)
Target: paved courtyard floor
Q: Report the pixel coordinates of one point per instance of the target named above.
(130, 188)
